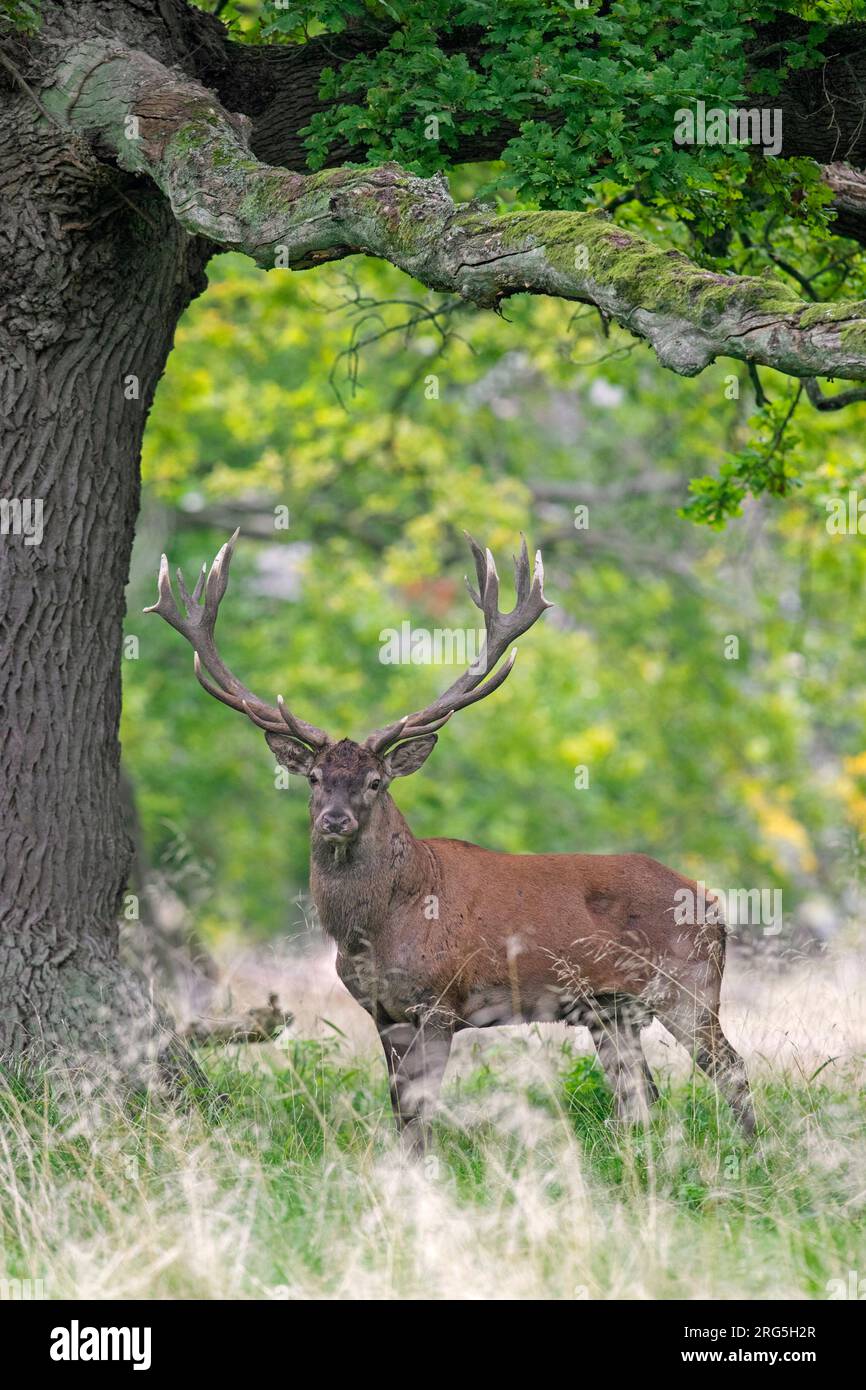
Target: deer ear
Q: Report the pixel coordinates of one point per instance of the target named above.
(293, 755)
(408, 757)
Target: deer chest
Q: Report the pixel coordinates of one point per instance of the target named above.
(381, 986)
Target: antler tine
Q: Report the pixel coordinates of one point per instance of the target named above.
(308, 733)
(480, 569)
(487, 598)
(199, 584)
(382, 739)
(256, 717)
(184, 591)
(491, 590)
(479, 692)
(521, 572)
(419, 729)
(500, 631)
(218, 580)
(165, 605)
(202, 608)
(537, 589)
(233, 702)
(214, 690)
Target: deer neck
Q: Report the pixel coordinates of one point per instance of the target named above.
(356, 886)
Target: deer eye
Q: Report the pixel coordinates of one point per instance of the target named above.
(375, 784)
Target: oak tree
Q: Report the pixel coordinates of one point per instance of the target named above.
(692, 170)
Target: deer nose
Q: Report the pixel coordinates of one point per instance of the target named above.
(337, 823)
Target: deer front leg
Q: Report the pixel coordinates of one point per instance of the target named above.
(416, 1056)
(616, 1034)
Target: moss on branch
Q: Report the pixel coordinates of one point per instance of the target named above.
(198, 154)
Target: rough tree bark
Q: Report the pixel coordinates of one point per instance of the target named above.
(106, 227)
(95, 273)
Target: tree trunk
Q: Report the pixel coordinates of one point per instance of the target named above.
(95, 274)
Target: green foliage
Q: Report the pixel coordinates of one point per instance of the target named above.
(23, 15)
(580, 104)
(585, 97)
(772, 461)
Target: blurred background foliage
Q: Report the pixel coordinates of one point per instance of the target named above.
(380, 420)
(573, 106)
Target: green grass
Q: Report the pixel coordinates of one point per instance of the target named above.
(299, 1189)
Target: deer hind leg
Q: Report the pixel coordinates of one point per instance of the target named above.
(615, 1026)
(416, 1057)
(716, 1055)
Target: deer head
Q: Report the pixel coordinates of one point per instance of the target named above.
(348, 780)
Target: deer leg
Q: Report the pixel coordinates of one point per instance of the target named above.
(703, 1038)
(649, 1079)
(717, 1056)
(616, 1034)
(416, 1058)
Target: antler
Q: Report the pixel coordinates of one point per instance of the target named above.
(501, 631)
(198, 629)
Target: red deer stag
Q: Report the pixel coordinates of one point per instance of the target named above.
(438, 935)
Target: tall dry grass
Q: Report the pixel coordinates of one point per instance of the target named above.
(299, 1189)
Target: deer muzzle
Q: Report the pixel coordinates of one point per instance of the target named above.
(336, 826)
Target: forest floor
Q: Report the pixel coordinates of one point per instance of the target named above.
(298, 1188)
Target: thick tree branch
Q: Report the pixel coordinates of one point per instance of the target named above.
(823, 107)
(849, 200)
(278, 86)
(176, 132)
